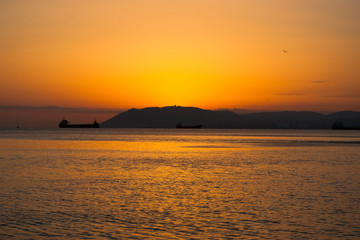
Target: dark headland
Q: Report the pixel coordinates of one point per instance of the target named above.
(170, 117)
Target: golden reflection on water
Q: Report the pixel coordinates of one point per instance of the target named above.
(181, 187)
(107, 145)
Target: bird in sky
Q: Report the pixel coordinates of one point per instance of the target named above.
(285, 51)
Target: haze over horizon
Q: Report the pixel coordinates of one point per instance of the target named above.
(49, 116)
(258, 56)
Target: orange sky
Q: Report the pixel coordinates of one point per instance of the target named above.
(210, 54)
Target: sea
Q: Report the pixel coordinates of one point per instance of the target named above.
(179, 184)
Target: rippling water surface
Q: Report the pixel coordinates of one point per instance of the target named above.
(179, 184)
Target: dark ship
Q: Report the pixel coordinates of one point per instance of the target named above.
(180, 125)
(65, 124)
(338, 125)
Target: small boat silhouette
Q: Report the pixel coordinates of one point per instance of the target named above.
(338, 125)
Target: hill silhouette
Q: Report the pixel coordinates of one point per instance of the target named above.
(169, 117)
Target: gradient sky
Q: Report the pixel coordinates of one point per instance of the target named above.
(205, 53)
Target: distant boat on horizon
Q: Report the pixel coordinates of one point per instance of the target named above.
(338, 125)
(180, 125)
(65, 124)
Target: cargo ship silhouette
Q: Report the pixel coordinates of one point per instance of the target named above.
(180, 125)
(65, 124)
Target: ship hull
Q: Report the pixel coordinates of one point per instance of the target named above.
(346, 128)
(189, 126)
(65, 124)
(79, 126)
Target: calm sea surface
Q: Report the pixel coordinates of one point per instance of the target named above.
(179, 184)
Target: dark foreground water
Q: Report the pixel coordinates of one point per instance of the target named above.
(179, 184)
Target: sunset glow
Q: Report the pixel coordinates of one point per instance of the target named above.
(210, 54)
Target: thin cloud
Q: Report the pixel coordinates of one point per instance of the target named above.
(289, 94)
(320, 82)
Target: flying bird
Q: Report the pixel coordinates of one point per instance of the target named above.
(285, 51)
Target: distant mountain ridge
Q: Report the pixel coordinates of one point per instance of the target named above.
(169, 117)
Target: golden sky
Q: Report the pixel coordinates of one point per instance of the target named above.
(204, 53)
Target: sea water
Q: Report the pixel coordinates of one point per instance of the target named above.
(179, 184)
